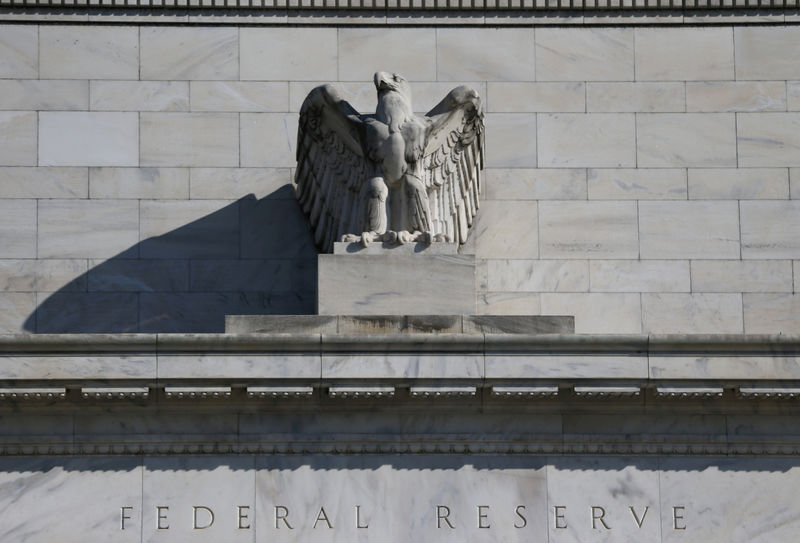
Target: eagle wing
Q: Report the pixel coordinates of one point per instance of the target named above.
(332, 166)
(452, 162)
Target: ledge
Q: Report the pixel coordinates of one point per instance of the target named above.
(440, 365)
(734, 344)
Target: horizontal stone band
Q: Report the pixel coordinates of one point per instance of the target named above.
(407, 365)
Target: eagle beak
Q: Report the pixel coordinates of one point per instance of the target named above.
(380, 80)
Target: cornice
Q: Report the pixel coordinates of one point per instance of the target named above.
(396, 367)
(403, 12)
(234, 377)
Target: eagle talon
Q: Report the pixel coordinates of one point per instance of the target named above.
(367, 238)
(390, 236)
(404, 236)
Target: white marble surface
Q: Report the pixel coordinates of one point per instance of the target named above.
(488, 52)
(732, 367)
(189, 139)
(18, 228)
(511, 140)
(353, 284)
(686, 140)
(793, 95)
(397, 499)
(19, 49)
(411, 366)
(306, 54)
(543, 97)
(736, 96)
(694, 229)
(639, 276)
(179, 485)
(43, 182)
(771, 313)
(78, 367)
(76, 138)
(499, 366)
(680, 61)
(64, 95)
(586, 54)
(18, 137)
(300, 366)
(767, 229)
(538, 275)
(642, 184)
(733, 500)
(768, 139)
(139, 95)
(586, 489)
(595, 140)
(645, 97)
(404, 50)
(597, 312)
(15, 308)
(764, 54)
(70, 52)
(738, 184)
(222, 183)
(239, 96)
(189, 53)
(741, 276)
(535, 184)
(86, 228)
(588, 230)
(70, 500)
(139, 183)
(696, 313)
(274, 131)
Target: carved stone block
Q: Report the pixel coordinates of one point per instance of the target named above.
(389, 284)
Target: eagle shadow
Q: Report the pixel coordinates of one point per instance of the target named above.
(253, 256)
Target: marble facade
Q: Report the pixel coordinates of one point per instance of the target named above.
(643, 166)
(650, 174)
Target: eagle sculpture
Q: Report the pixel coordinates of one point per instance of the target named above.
(393, 176)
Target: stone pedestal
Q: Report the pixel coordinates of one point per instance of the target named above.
(409, 279)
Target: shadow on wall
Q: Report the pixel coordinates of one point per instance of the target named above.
(250, 257)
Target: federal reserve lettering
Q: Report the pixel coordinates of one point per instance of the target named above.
(442, 517)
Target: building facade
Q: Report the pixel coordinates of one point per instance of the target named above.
(642, 165)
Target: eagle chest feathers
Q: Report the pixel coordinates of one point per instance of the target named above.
(393, 176)
(396, 139)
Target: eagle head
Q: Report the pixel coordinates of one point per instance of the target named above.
(384, 81)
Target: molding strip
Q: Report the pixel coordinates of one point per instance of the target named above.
(494, 13)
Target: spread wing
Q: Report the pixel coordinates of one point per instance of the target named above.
(332, 166)
(452, 162)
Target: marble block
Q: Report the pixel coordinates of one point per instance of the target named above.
(389, 284)
(189, 53)
(82, 138)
